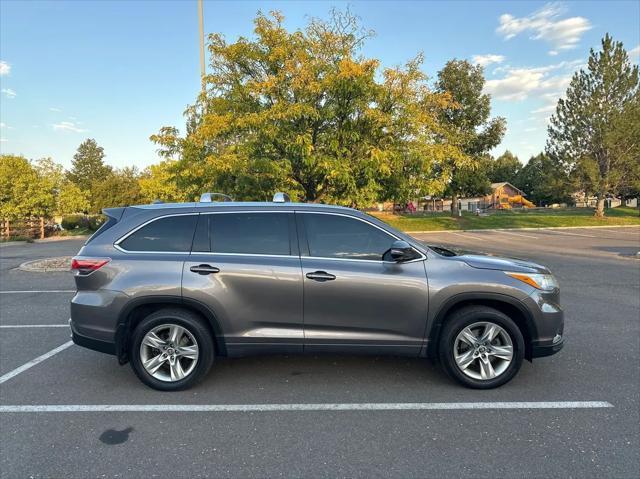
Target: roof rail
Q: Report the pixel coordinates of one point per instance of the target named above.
(209, 197)
(280, 197)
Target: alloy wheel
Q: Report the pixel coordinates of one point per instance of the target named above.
(169, 352)
(483, 350)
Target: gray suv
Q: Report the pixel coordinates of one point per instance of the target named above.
(168, 287)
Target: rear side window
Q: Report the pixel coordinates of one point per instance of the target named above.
(250, 233)
(333, 236)
(171, 234)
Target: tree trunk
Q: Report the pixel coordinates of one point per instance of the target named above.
(41, 227)
(454, 205)
(599, 213)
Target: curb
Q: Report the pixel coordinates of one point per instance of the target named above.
(522, 229)
(50, 239)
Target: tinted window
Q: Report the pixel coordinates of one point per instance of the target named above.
(166, 234)
(332, 236)
(250, 233)
(201, 241)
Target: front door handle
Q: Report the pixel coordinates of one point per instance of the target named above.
(204, 269)
(321, 276)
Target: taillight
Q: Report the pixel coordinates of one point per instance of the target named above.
(87, 265)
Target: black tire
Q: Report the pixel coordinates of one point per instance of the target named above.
(195, 325)
(464, 317)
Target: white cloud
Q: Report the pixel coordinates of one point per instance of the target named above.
(545, 109)
(545, 24)
(634, 53)
(54, 109)
(520, 83)
(5, 68)
(3, 125)
(484, 60)
(68, 126)
(9, 93)
(3, 140)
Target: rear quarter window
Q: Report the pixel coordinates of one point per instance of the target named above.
(171, 234)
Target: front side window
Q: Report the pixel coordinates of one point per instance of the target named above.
(171, 234)
(250, 233)
(333, 236)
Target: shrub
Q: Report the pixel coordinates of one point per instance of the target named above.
(71, 222)
(94, 222)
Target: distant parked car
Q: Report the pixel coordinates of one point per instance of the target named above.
(168, 287)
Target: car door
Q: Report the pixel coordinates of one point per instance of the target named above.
(245, 266)
(353, 300)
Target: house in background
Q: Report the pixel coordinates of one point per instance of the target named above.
(507, 196)
(503, 196)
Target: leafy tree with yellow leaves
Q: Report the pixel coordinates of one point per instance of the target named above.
(304, 112)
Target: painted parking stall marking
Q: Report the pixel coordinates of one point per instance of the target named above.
(34, 362)
(18, 326)
(304, 407)
(27, 291)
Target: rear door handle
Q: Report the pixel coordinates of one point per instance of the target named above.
(321, 276)
(204, 269)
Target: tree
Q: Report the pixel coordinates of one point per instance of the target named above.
(119, 188)
(71, 199)
(23, 191)
(304, 112)
(88, 166)
(598, 111)
(504, 168)
(472, 181)
(544, 180)
(159, 182)
(469, 118)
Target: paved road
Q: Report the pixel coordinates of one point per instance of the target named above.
(601, 295)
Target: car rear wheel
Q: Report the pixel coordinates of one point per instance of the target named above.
(171, 349)
(481, 347)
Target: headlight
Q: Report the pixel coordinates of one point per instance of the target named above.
(545, 282)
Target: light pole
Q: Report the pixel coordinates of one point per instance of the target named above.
(202, 65)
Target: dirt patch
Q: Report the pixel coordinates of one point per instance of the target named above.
(45, 265)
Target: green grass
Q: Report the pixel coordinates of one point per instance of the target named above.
(16, 238)
(539, 218)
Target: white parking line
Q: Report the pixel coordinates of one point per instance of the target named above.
(33, 362)
(516, 234)
(556, 232)
(466, 235)
(39, 291)
(11, 326)
(441, 406)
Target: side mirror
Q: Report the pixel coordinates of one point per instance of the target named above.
(400, 251)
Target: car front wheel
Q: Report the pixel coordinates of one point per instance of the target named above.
(481, 347)
(171, 350)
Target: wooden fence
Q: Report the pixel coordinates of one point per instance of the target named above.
(33, 227)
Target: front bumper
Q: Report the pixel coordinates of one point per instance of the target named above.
(91, 343)
(542, 350)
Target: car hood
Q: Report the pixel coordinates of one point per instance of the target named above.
(501, 264)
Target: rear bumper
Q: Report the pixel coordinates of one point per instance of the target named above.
(91, 343)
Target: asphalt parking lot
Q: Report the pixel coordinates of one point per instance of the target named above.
(600, 280)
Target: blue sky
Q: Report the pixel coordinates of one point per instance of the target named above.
(117, 71)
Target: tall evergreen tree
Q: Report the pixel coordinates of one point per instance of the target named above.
(585, 130)
(470, 118)
(544, 181)
(88, 165)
